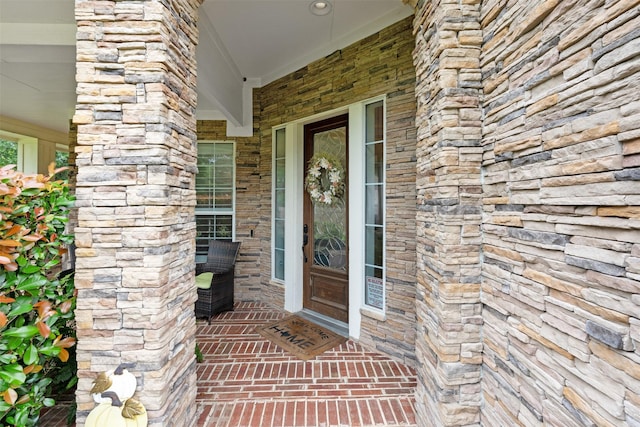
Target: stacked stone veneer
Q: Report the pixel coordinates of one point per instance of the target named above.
(136, 160)
(248, 203)
(561, 213)
(544, 112)
(449, 154)
(380, 64)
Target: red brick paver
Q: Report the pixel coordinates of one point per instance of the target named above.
(247, 381)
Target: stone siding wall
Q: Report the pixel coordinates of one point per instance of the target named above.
(247, 208)
(379, 64)
(136, 162)
(561, 213)
(449, 153)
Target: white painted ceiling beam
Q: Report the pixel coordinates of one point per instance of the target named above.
(38, 34)
(220, 83)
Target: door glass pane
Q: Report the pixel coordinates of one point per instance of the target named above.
(330, 221)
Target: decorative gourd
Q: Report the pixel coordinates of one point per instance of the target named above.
(101, 384)
(119, 380)
(107, 414)
(115, 414)
(134, 413)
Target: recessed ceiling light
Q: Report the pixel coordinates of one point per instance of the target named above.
(320, 7)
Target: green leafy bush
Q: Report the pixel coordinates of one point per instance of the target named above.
(36, 301)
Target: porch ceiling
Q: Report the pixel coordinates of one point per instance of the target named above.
(260, 40)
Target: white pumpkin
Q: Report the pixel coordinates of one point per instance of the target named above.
(107, 413)
(113, 413)
(118, 380)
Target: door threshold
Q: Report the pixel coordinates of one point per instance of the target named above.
(334, 325)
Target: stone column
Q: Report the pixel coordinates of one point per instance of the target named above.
(136, 161)
(449, 155)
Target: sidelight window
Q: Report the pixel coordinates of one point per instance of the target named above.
(374, 205)
(278, 204)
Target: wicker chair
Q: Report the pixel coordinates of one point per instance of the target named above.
(216, 296)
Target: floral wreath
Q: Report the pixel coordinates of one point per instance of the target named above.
(325, 179)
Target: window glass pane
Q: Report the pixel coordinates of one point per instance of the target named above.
(205, 151)
(202, 179)
(223, 199)
(374, 287)
(223, 175)
(375, 163)
(374, 204)
(280, 173)
(279, 234)
(371, 271)
(208, 227)
(279, 213)
(62, 160)
(224, 227)
(214, 181)
(204, 199)
(279, 264)
(375, 122)
(373, 245)
(9, 152)
(224, 152)
(280, 143)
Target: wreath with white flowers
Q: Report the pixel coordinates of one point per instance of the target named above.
(325, 179)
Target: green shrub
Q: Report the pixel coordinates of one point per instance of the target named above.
(36, 301)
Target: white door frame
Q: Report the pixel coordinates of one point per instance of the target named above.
(294, 193)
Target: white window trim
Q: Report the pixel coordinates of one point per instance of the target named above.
(204, 211)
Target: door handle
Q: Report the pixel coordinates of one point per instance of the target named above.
(305, 240)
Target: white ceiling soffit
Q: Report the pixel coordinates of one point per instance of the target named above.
(260, 40)
(263, 40)
(268, 39)
(37, 68)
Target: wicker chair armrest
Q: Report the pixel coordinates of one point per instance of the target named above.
(221, 271)
(215, 269)
(200, 268)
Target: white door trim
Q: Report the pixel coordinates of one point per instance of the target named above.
(294, 193)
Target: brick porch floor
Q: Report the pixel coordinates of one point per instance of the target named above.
(245, 380)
